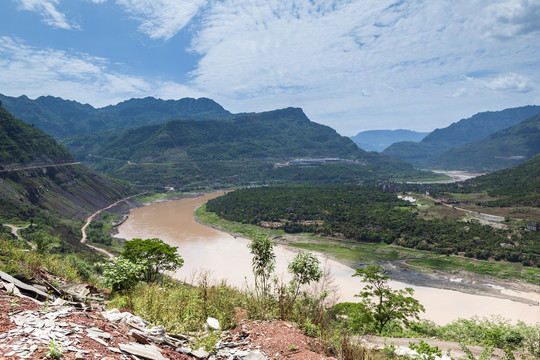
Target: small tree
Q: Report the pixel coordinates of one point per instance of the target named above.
(263, 263)
(304, 269)
(121, 274)
(384, 304)
(154, 255)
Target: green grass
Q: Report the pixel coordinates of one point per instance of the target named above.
(499, 269)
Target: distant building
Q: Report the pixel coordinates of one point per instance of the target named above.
(533, 226)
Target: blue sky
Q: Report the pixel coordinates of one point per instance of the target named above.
(351, 64)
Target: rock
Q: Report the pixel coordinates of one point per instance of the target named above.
(200, 354)
(254, 355)
(79, 355)
(213, 323)
(145, 351)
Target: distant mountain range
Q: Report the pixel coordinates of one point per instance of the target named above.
(35, 170)
(503, 149)
(423, 153)
(378, 140)
(63, 118)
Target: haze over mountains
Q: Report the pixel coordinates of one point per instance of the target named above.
(378, 140)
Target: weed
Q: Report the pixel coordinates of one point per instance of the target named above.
(55, 351)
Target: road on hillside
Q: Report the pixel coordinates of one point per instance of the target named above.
(39, 167)
(89, 220)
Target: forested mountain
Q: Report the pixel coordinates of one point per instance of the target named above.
(378, 140)
(244, 148)
(62, 118)
(24, 145)
(462, 132)
(35, 170)
(503, 149)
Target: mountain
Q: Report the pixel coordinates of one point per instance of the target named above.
(246, 148)
(378, 140)
(518, 185)
(62, 118)
(24, 145)
(500, 150)
(462, 132)
(35, 170)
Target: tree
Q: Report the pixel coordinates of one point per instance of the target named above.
(121, 274)
(154, 255)
(383, 304)
(263, 262)
(305, 269)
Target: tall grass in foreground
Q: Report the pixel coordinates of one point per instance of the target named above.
(181, 307)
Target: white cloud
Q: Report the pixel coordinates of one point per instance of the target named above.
(47, 9)
(510, 82)
(28, 70)
(338, 58)
(509, 18)
(162, 19)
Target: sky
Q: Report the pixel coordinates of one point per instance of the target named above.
(353, 65)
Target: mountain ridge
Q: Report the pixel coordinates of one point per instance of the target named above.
(462, 132)
(63, 118)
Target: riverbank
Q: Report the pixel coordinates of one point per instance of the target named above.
(399, 270)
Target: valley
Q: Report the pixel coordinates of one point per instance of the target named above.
(461, 241)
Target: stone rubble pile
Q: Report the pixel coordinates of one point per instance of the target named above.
(51, 328)
(45, 329)
(141, 332)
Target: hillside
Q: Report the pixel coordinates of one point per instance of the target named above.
(243, 149)
(462, 132)
(35, 170)
(378, 140)
(518, 185)
(63, 118)
(24, 145)
(503, 149)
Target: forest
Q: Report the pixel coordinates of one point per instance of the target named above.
(369, 214)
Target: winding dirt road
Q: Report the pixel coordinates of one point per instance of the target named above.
(89, 220)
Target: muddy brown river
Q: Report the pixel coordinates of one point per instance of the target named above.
(227, 257)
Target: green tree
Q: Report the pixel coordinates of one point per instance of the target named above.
(263, 263)
(154, 255)
(121, 274)
(304, 269)
(383, 304)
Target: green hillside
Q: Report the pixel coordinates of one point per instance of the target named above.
(519, 185)
(22, 144)
(503, 149)
(35, 170)
(63, 118)
(462, 132)
(243, 149)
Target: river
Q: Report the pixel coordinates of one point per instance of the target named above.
(227, 257)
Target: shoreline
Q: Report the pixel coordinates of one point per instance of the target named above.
(464, 282)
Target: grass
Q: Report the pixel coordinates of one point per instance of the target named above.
(499, 269)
